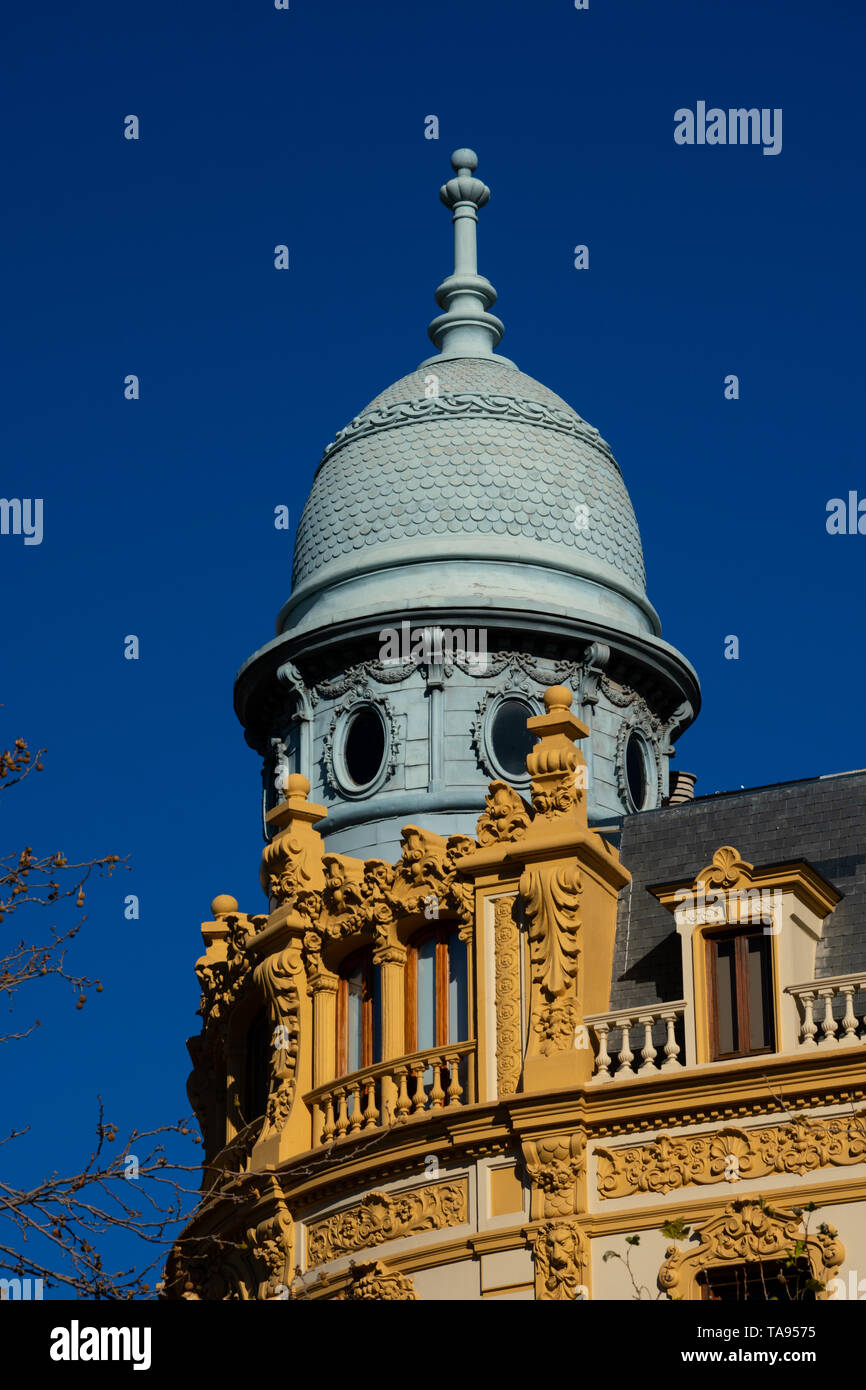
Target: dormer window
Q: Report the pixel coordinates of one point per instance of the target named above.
(740, 987)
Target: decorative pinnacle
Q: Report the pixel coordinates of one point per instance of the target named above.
(465, 329)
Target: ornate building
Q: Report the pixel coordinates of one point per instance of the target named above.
(517, 996)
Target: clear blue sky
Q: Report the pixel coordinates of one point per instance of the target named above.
(155, 257)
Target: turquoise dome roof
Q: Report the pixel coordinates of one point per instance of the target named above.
(495, 458)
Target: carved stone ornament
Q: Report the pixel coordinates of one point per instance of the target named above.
(551, 904)
(555, 1165)
(368, 898)
(253, 1263)
(506, 815)
(377, 1281)
(561, 1256)
(382, 1216)
(507, 996)
(469, 403)
(747, 1231)
(731, 1154)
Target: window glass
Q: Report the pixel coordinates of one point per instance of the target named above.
(726, 995)
(510, 739)
(355, 1019)
(426, 985)
(759, 991)
(458, 998)
(635, 770)
(364, 748)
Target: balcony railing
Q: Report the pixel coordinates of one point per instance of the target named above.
(393, 1092)
(838, 1023)
(656, 1030)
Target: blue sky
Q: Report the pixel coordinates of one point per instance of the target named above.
(155, 257)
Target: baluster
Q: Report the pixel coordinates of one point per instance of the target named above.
(328, 1126)
(342, 1112)
(810, 1027)
(672, 1047)
(603, 1060)
(355, 1093)
(626, 1056)
(648, 1051)
(437, 1095)
(419, 1100)
(371, 1114)
(829, 1026)
(404, 1105)
(849, 1020)
(455, 1090)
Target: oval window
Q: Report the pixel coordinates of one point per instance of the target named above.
(510, 740)
(636, 758)
(364, 746)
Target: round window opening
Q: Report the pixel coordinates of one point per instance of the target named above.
(364, 746)
(636, 770)
(510, 739)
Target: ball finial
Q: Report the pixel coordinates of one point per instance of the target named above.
(464, 159)
(297, 785)
(223, 904)
(557, 697)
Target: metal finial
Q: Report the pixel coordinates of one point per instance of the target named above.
(466, 329)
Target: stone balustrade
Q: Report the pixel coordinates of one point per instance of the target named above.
(625, 1043)
(405, 1088)
(837, 1023)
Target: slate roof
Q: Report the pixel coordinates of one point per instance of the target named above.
(494, 453)
(821, 820)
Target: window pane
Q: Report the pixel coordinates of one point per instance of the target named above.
(427, 994)
(458, 1000)
(759, 991)
(726, 995)
(377, 1015)
(355, 1020)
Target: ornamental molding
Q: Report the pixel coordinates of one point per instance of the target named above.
(561, 1255)
(376, 1281)
(555, 1165)
(473, 404)
(278, 977)
(250, 1263)
(361, 697)
(748, 1231)
(485, 713)
(356, 679)
(640, 719)
(383, 1216)
(370, 898)
(506, 816)
(730, 1154)
(551, 905)
(506, 938)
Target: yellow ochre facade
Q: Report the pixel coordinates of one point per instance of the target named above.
(508, 1163)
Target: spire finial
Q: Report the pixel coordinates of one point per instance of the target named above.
(465, 329)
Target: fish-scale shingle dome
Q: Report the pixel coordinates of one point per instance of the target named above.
(492, 456)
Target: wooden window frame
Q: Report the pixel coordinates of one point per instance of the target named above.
(442, 932)
(740, 935)
(364, 958)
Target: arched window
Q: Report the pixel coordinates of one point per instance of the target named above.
(257, 1069)
(359, 1014)
(437, 999)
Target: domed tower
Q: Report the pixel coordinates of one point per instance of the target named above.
(467, 542)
